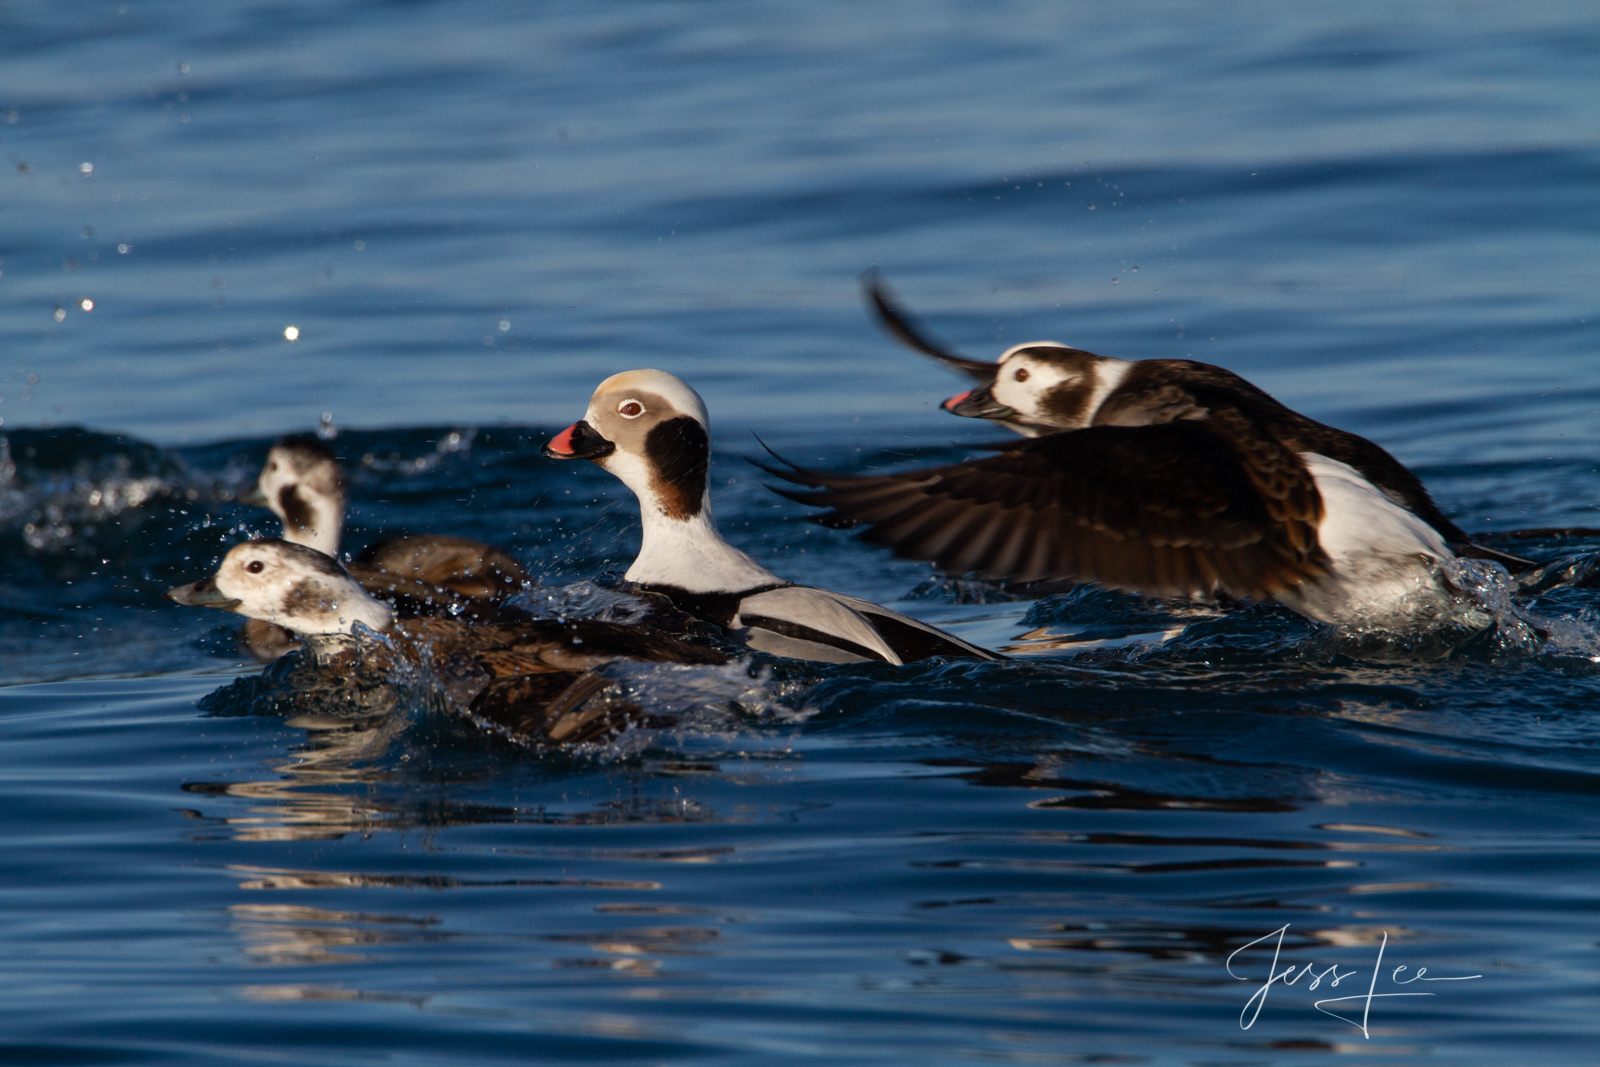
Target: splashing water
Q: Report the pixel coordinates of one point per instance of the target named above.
(1486, 591)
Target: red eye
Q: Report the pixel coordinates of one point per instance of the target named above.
(1021, 375)
(255, 566)
(630, 409)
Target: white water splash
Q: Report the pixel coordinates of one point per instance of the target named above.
(1487, 595)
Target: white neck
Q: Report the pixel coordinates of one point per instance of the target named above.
(691, 554)
(327, 522)
(1108, 374)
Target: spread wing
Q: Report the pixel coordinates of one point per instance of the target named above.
(1189, 507)
(903, 328)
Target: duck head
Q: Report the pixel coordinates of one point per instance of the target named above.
(650, 430)
(1036, 388)
(296, 587)
(304, 485)
(1042, 387)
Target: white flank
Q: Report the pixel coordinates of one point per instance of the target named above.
(1385, 560)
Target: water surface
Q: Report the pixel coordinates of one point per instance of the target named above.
(471, 213)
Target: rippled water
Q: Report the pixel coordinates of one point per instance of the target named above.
(471, 213)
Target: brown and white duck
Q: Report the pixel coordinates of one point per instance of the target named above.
(532, 678)
(425, 574)
(1159, 476)
(651, 430)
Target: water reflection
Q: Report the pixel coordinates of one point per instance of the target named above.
(300, 802)
(1196, 943)
(305, 991)
(1042, 773)
(359, 773)
(284, 935)
(284, 878)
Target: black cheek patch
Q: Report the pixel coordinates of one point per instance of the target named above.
(296, 511)
(679, 453)
(305, 599)
(1067, 403)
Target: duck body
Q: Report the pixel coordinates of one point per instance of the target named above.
(303, 484)
(533, 679)
(650, 430)
(1163, 477)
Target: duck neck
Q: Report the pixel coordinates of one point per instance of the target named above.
(690, 553)
(315, 522)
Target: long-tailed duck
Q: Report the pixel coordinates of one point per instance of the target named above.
(1161, 476)
(426, 574)
(650, 429)
(533, 677)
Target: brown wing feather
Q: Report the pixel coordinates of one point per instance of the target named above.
(432, 574)
(1162, 390)
(1187, 507)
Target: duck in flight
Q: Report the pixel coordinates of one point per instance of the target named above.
(532, 678)
(651, 430)
(304, 485)
(1164, 477)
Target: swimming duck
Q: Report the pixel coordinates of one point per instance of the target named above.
(427, 574)
(651, 430)
(531, 678)
(1162, 476)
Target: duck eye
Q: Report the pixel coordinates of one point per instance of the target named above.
(630, 409)
(1021, 375)
(255, 566)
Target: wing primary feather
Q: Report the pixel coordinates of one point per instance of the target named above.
(903, 328)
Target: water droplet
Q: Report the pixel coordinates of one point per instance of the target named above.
(183, 68)
(85, 169)
(505, 324)
(60, 313)
(360, 245)
(124, 248)
(326, 430)
(86, 304)
(291, 333)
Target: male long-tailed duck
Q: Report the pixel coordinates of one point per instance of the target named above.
(426, 574)
(1160, 476)
(650, 429)
(531, 677)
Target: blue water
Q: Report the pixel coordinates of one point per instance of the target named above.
(471, 213)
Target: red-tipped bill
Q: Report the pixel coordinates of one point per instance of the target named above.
(578, 441)
(950, 405)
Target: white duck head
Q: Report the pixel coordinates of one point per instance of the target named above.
(1042, 387)
(650, 430)
(298, 588)
(304, 485)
